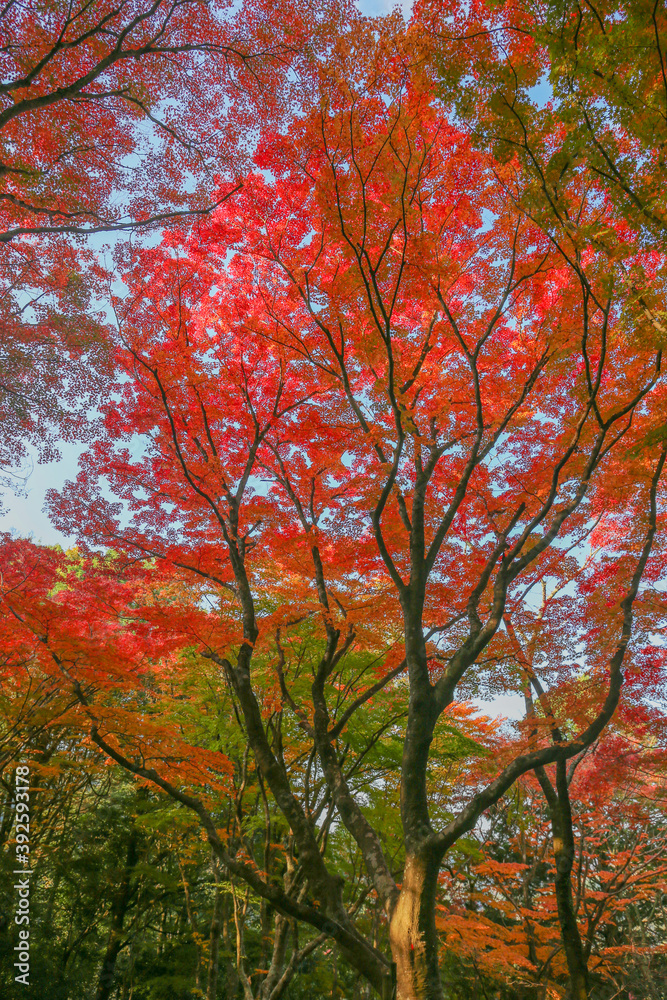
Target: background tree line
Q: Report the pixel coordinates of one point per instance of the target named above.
(128, 899)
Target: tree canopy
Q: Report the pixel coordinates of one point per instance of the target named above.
(378, 437)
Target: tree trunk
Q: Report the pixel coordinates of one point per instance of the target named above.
(231, 973)
(120, 905)
(214, 937)
(574, 953)
(560, 812)
(412, 933)
(106, 980)
(196, 936)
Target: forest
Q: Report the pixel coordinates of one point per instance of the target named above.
(348, 677)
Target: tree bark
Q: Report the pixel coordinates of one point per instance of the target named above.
(560, 812)
(412, 933)
(214, 936)
(231, 975)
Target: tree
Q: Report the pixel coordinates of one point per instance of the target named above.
(375, 395)
(111, 122)
(498, 911)
(103, 896)
(78, 80)
(569, 93)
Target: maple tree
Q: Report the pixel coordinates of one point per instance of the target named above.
(57, 609)
(569, 91)
(364, 411)
(607, 75)
(497, 910)
(79, 78)
(434, 392)
(637, 720)
(111, 121)
(592, 914)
